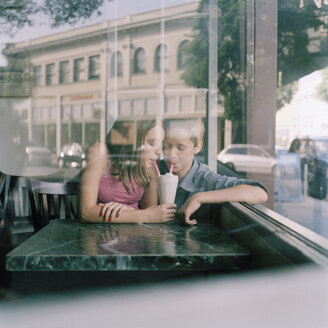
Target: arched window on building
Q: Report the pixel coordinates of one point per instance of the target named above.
(116, 64)
(139, 61)
(161, 58)
(182, 54)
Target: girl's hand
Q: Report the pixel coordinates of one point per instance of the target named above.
(160, 213)
(112, 210)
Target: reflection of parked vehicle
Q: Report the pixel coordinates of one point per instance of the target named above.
(72, 155)
(38, 155)
(221, 168)
(247, 158)
(314, 153)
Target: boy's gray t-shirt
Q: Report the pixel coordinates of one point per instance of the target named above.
(201, 178)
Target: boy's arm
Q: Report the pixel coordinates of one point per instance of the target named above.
(241, 193)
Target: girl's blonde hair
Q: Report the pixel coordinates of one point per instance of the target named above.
(128, 165)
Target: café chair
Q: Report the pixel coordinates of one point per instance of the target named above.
(18, 201)
(53, 200)
(17, 214)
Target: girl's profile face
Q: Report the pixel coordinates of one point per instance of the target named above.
(152, 146)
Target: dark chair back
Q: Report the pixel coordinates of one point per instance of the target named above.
(53, 200)
(15, 209)
(18, 202)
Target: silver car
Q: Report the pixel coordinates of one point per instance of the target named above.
(247, 158)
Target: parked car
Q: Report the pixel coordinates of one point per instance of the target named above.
(313, 153)
(37, 154)
(72, 155)
(221, 168)
(247, 158)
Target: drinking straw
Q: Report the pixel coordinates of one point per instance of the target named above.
(171, 168)
(156, 168)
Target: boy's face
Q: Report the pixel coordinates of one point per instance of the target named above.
(179, 150)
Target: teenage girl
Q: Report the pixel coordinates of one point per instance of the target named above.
(123, 189)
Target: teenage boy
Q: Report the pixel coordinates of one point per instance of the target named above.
(198, 184)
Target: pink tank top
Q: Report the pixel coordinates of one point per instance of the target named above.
(112, 190)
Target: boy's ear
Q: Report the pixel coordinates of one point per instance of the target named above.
(198, 148)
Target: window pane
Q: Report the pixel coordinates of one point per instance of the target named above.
(92, 135)
(301, 126)
(94, 67)
(37, 76)
(116, 64)
(140, 61)
(161, 58)
(182, 54)
(78, 69)
(64, 72)
(50, 74)
(87, 111)
(255, 72)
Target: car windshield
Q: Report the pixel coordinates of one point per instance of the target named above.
(256, 152)
(239, 151)
(322, 147)
(75, 148)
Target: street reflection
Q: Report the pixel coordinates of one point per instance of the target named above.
(120, 239)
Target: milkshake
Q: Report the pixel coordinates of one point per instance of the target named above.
(167, 187)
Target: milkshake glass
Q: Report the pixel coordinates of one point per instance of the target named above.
(167, 187)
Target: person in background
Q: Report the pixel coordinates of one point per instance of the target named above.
(198, 184)
(123, 188)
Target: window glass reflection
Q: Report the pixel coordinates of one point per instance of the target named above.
(96, 80)
(301, 125)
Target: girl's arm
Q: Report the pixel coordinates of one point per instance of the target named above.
(153, 214)
(150, 197)
(241, 193)
(96, 167)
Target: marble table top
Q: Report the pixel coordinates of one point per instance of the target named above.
(67, 245)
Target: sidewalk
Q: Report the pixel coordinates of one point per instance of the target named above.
(310, 212)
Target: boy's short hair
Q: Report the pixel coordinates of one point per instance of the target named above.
(194, 127)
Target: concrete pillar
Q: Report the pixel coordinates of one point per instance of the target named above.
(58, 124)
(262, 75)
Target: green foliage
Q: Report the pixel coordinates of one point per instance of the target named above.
(285, 93)
(71, 11)
(16, 14)
(295, 58)
(230, 80)
(295, 26)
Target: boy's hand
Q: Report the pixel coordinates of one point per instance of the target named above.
(188, 208)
